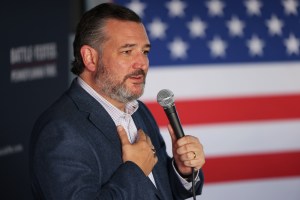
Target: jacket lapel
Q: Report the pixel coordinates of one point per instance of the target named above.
(97, 115)
(140, 123)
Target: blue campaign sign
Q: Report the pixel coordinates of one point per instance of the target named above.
(34, 71)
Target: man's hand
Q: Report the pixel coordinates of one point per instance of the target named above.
(141, 152)
(187, 152)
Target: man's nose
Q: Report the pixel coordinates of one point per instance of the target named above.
(141, 61)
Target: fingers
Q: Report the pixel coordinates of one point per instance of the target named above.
(142, 136)
(191, 156)
(150, 146)
(190, 147)
(196, 162)
(141, 152)
(190, 152)
(187, 140)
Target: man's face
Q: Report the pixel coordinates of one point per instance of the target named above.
(123, 64)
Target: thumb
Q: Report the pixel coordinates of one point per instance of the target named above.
(172, 134)
(123, 135)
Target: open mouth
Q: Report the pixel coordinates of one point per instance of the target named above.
(137, 79)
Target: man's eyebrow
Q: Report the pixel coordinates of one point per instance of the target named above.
(148, 46)
(133, 45)
(127, 46)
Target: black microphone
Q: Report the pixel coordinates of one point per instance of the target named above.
(166, 99)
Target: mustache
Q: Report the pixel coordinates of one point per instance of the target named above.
(135, 73)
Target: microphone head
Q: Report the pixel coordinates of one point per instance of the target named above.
(165, 98)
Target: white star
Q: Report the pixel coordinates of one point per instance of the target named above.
(178, 48)
(157, 29)
(197, 27)
(215, 7)
(137, 6)
(235, 26)
(217, 47)
(292, 45)
(253, 7)
(176, 8)
(255, 46)
(290, 7)
(274, 25)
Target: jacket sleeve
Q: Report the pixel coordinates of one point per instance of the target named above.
(179, 191)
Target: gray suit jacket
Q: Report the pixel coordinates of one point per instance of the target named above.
(75, 153)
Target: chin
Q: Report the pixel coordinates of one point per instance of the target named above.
(138, 89)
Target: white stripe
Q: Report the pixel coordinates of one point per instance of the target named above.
(244, 138)
(267, 189)
(207, 81)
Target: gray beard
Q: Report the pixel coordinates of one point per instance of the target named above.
(117, 90)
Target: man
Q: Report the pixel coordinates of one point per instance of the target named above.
(98, 141)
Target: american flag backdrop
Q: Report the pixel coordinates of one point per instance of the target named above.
(234, 68)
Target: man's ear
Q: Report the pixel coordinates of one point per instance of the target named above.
(89, 57)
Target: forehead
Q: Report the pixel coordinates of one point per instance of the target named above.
(118, 30)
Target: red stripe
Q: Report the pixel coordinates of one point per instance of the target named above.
(206, 111)
(246, 167)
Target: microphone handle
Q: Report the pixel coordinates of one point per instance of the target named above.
(174, 121)
(177, 128)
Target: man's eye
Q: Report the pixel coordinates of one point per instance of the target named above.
(146, 52)
(126, 52)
